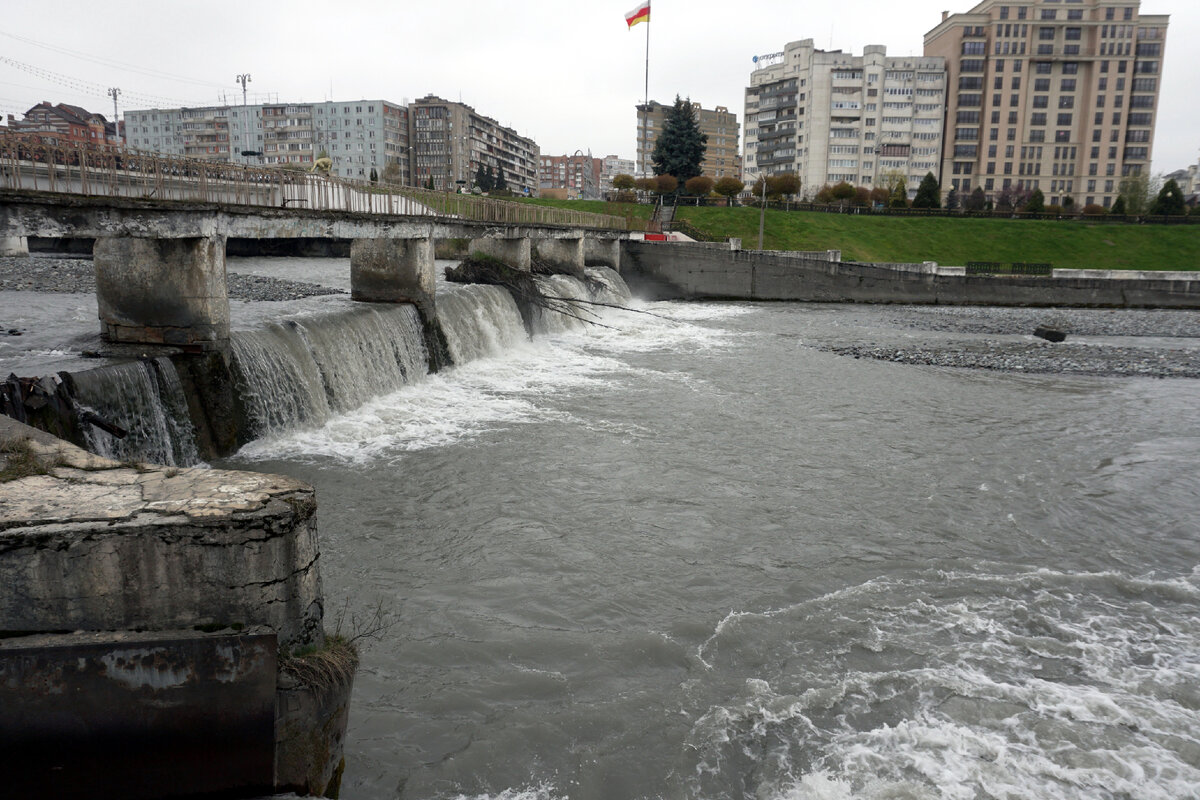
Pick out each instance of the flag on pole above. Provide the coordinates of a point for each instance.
(639, 14)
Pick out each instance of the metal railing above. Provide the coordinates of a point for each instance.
(29, 163)
(1015, 268)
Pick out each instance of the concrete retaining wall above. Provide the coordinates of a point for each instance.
(697, 271)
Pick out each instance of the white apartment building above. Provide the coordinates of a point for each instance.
(613, 166)
(832, 117)
(358, 135)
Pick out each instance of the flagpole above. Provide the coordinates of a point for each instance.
(646, 117)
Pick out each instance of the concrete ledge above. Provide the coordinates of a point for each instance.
(137, 715)
(1124, 275)
(94, 545)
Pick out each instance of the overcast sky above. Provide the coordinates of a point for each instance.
(566, 72)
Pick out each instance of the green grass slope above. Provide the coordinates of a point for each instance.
(955, 241)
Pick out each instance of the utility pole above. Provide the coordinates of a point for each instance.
(762, 213)
(243, 79)
(113, 93)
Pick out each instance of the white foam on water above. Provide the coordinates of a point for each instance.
(502, 379)
(1037, 684)
(540, 792)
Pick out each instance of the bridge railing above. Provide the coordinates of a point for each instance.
(30, 162)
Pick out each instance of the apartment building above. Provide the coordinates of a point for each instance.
(575, 177)
(65, 124)
(721, 156)
(1057, 95)
(613, 166)
(359, 136)
(830, 116)
(451, 141)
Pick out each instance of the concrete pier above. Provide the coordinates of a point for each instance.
(393, 271)
(160, 629)
(602, 252)
(514, 251)
(162, 291)
(12, 246)
(564, 255)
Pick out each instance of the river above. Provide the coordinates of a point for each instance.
(695, 556)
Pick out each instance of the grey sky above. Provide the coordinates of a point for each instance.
(566, 72)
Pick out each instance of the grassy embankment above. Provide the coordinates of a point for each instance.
(953, 241)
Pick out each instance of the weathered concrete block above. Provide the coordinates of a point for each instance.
(162, 291)
(393, 271)
(11, 246)
(137, 715)
(563, 255)
(515, 252)
(310, 721)
(98, 546)
(602, 252)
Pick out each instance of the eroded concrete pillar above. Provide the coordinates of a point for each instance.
(393, 271)
(564, 255)
(515, 252)
(162, 291)
(11, 246)
(602, 252)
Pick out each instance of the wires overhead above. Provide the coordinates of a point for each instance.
(138, 70)
(89, 88)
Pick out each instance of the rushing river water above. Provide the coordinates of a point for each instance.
(698, 558)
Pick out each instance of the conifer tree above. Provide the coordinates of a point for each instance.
(928, 193)
(680, 147)
(1169, 200)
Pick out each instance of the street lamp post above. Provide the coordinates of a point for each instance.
(243, 79)
(113, 93)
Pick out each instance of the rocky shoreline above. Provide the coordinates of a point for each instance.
(78, 276)
(963, 337)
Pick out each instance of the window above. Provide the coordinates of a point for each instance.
(1067, 85)
(1041, 85)
(1037, 118)
(1049, 13)
(1065, 119)
(1046, 34)
(1041, 101)
(974, 48)
(1070, 68)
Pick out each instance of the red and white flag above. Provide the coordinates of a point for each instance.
(639, 14)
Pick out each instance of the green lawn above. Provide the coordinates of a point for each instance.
(948, 241)
(955, 241)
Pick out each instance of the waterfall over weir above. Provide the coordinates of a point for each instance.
(145, 398)
(299, 372)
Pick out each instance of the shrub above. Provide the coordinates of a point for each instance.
(665, 184)
(700, 185)
(729, 186)
(1094, 210)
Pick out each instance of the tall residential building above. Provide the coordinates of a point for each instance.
(451, 141)
(613, 166)
(357, 135)
(1057, 95)
(574, 177)
(718, 124)
(829, 117)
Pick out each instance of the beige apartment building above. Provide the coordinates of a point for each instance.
(830, 116)
(451, 141)
(721, 157)
(1057, 95)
